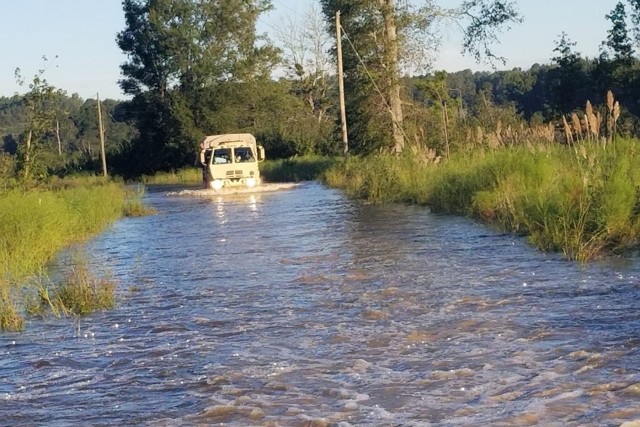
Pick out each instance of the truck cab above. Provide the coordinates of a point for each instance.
(230, 160)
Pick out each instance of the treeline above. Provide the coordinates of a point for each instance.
(71, 141)
(287, 125)
(474, 108)
(547, 92)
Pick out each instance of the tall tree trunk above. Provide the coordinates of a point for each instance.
(393, 80)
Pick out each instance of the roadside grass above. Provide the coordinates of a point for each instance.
(191, 175)
(36, 224)
(580, 200)
(296, 169)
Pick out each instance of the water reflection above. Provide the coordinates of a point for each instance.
(302, 307)
(220, 210)
(222, 202)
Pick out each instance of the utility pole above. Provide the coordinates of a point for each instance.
(343, 114)
(101, 130)
(58, 137)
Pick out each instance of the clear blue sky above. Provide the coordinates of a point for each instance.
(81, 33)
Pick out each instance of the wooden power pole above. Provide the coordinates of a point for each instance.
(58, 137)
(101, 130)
(343, 114)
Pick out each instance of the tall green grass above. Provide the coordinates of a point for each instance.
(36, 224)
(191, 175)
(296, 169)
(580, 200)
(79, 293)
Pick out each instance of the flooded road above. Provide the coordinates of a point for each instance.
(302, 307)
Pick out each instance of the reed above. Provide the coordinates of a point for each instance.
(79, 292)
(582, 201)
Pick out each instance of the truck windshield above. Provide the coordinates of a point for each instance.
(244, 154)
(222, 155)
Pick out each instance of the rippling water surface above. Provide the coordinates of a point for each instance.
(304, 308)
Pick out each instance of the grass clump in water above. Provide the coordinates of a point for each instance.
(134, 206)
(11, 318)
(81, 293)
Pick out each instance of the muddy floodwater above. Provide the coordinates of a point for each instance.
(301, 307)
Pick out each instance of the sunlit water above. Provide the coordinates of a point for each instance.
(302, 307)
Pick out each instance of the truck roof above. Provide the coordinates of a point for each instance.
(213, 141)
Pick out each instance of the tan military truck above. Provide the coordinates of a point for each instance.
(230, 160)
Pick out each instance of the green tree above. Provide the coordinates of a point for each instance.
(12, 117)
(381, 36)
(40, 106)
(635, 19)
(443, 107)
(179, 53)
(618, 39)
(568, 79)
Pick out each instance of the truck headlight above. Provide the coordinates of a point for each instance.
(217, 184)
(251, 182)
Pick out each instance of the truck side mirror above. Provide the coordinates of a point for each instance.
(260, 153)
